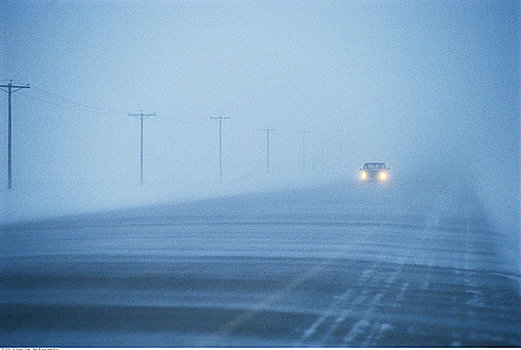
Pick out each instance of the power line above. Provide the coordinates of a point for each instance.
(71, 107)
(68, 100)
(10, 91)
(50, 102)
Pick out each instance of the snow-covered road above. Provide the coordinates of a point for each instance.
(339, 265)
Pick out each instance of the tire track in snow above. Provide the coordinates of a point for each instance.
(347, 297)
(366, 331)
(274, 297)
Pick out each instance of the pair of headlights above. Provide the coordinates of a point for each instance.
(382, 175)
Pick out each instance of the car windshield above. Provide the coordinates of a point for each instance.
(374, 166)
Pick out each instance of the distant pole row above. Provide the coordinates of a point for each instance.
(141, 116)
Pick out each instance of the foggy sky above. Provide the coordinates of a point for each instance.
(415, 84)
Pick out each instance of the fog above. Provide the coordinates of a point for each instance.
(428, 87)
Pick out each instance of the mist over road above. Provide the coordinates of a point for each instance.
(340, 265)
(429, 87)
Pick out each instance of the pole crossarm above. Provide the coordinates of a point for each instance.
(141, 114)
(17, 87)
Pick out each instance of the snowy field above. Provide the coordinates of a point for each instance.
(338, 265)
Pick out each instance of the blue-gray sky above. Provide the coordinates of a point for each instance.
(411, 83)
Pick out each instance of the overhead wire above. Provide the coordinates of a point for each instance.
(72, 102)
(64, 102)
(52, 98)
(49, 102)
(57, 100)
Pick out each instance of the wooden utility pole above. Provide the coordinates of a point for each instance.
(267, 131)
(303, 132)
(10, 89)
(142, 116)
(220, 119)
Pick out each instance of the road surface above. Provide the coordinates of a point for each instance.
(339, 265)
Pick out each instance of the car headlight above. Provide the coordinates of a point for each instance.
(382, 175)
(363, 175)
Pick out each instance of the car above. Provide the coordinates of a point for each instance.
(374, 172)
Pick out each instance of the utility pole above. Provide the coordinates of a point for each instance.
(304, 132)
(322, 154)
(220, 119)
(268, 148)
(9, 91)
(142, 116)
